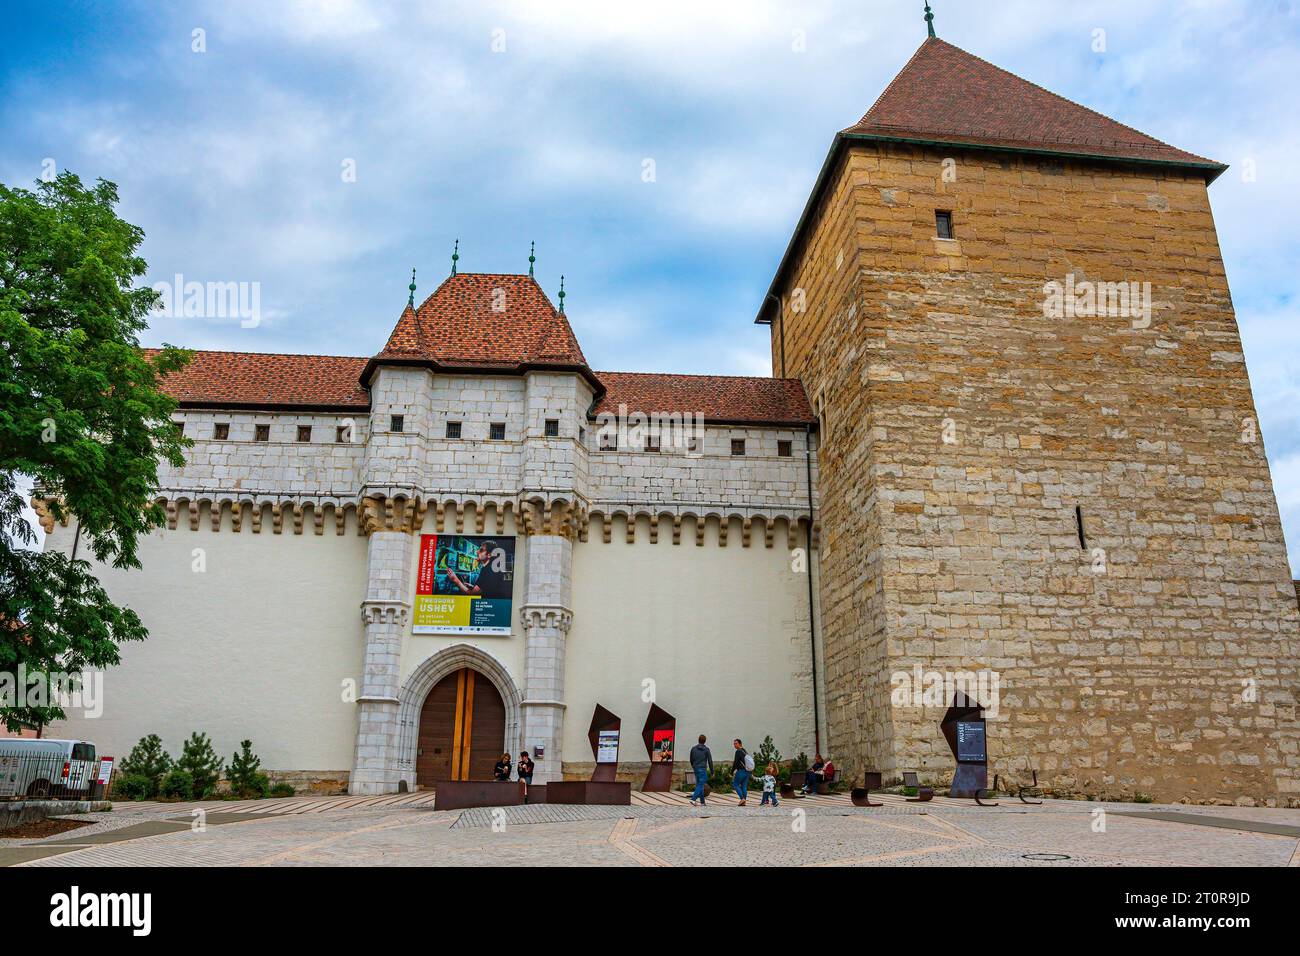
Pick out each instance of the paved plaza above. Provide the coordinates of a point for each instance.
(664, 830)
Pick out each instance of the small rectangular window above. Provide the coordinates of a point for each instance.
(497, 431)
(396, 423)
(582, 435)
(343, 434)
(943, 223)
(551, 428)
(608, 441)
(693, 444)
(652, 443)
(261, 433)
(737, 446)
(784, 449)
(221, 431)
(180, 427)
(304, 433)
(453, 429)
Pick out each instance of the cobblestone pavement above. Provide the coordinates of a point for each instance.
(666, 831)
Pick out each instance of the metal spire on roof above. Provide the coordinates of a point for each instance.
(411, 298)
(561, 295)
(929, 20)
(532, 247)
(455, 254)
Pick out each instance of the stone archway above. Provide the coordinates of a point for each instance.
(425, 677)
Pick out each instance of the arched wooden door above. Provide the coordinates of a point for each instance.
(462, 729)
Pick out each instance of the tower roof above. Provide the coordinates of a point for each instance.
(484, 322)
(947, 95)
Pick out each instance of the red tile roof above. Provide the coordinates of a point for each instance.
(718, 398)
(277, 381)
(949, 95)
(485, 320)
(268, 380)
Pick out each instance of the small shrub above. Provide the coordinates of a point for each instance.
(282, 789)
(1143, 798)
(800, 762)
(133, 786)
(202, 763)
(177, 785)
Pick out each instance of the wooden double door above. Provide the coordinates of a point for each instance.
(462, 729)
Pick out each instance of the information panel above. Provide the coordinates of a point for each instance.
(464, 584)
(970, 741)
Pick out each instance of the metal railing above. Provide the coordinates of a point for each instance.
(45, 776)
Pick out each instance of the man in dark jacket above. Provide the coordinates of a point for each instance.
(702, 765)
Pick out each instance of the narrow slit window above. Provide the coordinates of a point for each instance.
(943, 223)
(1078, 527)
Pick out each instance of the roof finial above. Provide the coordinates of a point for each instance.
(411, 298)
(561, 295)
(929, 20)
(532, 247)
(455, 254)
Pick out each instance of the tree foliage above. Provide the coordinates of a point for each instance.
(82, 413)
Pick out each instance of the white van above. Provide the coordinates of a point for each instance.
(40, 767)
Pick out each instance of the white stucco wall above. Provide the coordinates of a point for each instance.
(723, 632)
(256, 646)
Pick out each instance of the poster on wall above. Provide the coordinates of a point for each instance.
(663, 747)
(970, 741)
(464, 584)
(9, 776)
(607, 747)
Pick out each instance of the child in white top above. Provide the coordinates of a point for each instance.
(769, 784)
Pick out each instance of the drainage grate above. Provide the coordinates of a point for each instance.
(1044, 857)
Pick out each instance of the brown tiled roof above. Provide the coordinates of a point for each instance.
(268, 380)
(946, 95)
(483, 321)
(719, 398)
(949, 95)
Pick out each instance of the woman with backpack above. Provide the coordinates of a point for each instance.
(741, 767)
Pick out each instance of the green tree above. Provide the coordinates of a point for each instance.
(201, 762)
(246, 778)
(147, 761)
(82, 414)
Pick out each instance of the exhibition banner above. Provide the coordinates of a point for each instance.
(464, 584)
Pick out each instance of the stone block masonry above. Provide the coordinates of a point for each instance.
(1155, 649)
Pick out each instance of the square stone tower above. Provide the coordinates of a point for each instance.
(1039, 457)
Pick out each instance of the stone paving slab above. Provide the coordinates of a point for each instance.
(1205, 820)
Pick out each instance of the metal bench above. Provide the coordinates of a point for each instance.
(923, 794)
(1033, 789)
(861, 796)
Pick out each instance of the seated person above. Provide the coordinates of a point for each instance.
(815, 775)
(502, 769)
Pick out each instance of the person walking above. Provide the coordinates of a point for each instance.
(741, 767)
(702, 765)
(769, 784)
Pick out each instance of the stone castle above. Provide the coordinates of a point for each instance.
(1008, 434)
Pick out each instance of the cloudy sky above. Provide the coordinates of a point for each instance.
(232, 128)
